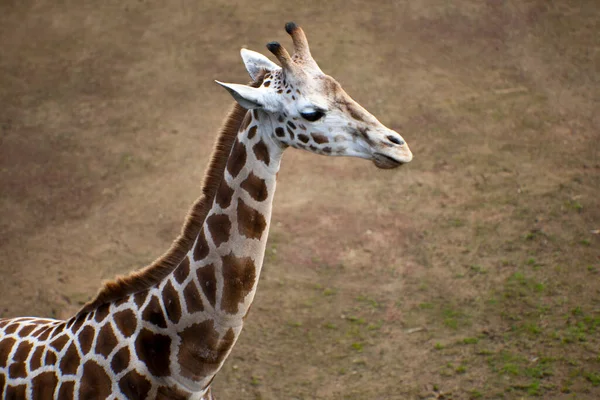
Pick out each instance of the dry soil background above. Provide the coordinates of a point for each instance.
(472, 272)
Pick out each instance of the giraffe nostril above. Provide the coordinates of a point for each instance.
(395, 140)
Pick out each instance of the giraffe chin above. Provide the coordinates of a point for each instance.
(382, 161)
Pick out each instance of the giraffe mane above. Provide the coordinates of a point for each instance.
(150, 275)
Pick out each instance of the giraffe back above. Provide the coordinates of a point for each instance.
(90, 356)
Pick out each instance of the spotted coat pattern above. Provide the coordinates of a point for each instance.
(168, 341)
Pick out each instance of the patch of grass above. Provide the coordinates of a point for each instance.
(534, 388)
(356, 320)
(470, 340)
(453, 318)
(329, 292)
(593, 378)
(510, 369)
(532, 328)
(357, 346)
(477, 269)
(542, 369)
(574, 205)
(438, 346)
(375, 326)
(456, 223)
(368, 301)
(254, 381)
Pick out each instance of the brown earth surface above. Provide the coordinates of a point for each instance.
(472, 272)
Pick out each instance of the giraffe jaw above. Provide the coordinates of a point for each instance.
(384, 161)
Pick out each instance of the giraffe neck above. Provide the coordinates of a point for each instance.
(216, 282)
(227, 257)
(171, 338)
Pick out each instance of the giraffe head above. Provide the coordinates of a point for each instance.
(309, 109)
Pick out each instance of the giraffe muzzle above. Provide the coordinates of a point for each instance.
(387, 161)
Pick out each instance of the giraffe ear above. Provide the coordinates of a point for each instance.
(256, 62)
(247, 96)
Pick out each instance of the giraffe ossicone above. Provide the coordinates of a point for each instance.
(165, 331)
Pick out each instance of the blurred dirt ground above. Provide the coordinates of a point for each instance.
(473, 272)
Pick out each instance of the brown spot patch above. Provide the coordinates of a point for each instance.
(208, 282)
(279, 132)
(327, 150)
(17, 370)
(59, 342)
(95, 383)
(154, 349)
(251, 223)
(139, 298)
(182, 270)
(44, 333)
(261, 152)
(201, 248)
(303, 138)
(256, 187)
(26, 330)
(120, 360)
(11, 328)
(66, 390)
(70, 361)
(15, 392)
(86, 337)
(201, 352)
(6, 346)
(252, 132)
(240, 275)
(22, 352)
(237, 159)
(267, 83)
(171, 301)
(36, 358)
(245, 122)
(134, 386)
(167, 393)
(50, 358)
(319, 139)
(219, 227)
(192, 298)
(153, 313)
(106, 341)
(43, 385)
(354, 112)
(291, 133)
(101, 313)
(126, 322)
(78, 321)
(291, 124)
(224, 195)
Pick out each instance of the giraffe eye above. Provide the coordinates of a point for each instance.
(313, 115)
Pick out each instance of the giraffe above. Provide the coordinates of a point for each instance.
(163, 332)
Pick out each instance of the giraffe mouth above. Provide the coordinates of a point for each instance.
(383, 161)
